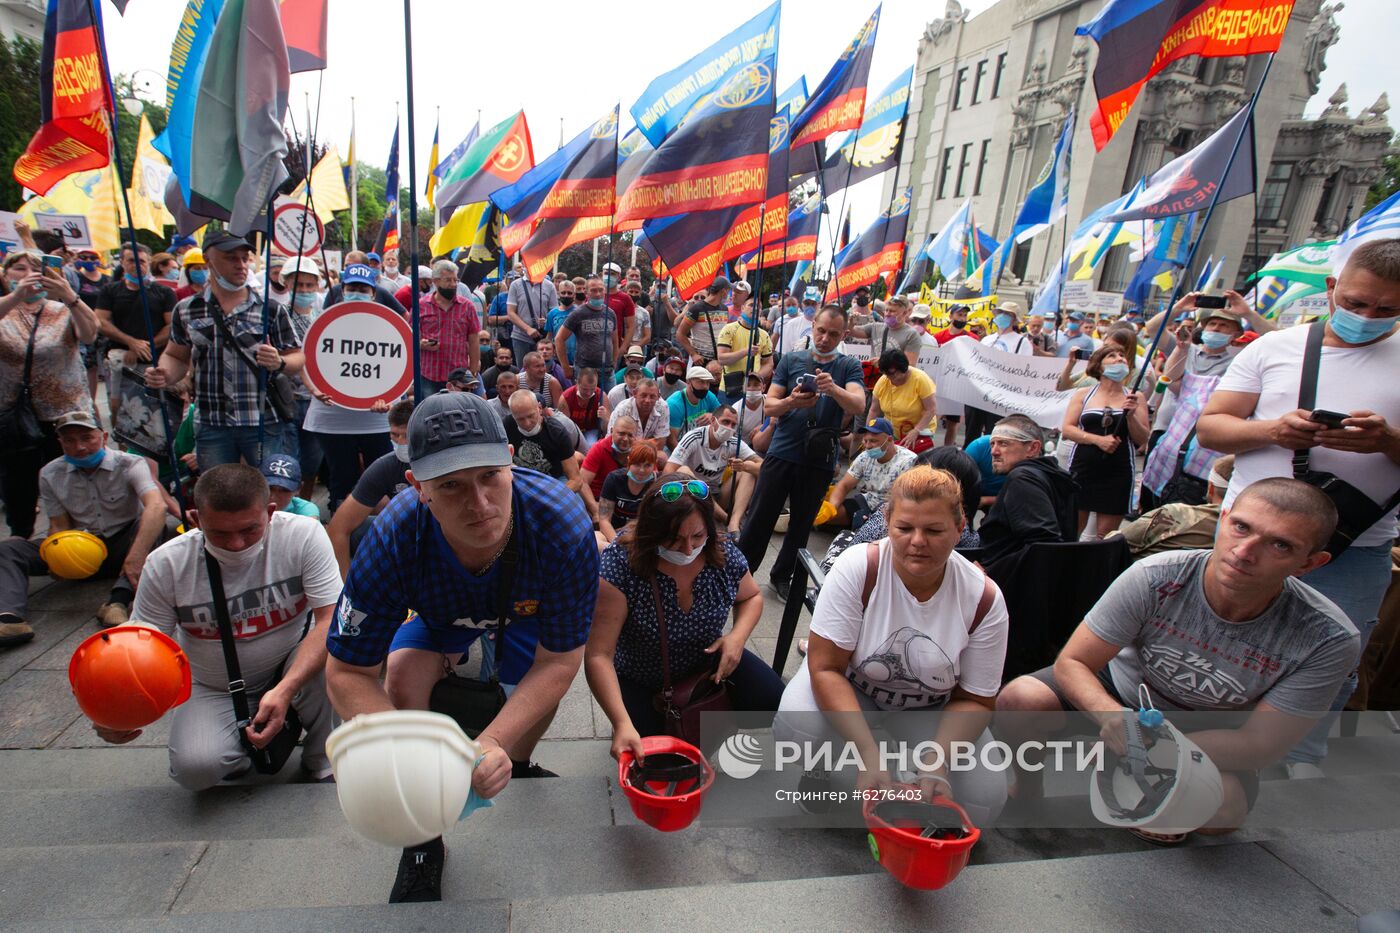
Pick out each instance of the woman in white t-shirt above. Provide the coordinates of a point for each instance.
(906, 624)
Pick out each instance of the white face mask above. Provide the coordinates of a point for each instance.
(721, 433)
(532, 431)
(236, 558)
(400, 451)
(679, 558)
(753, 396)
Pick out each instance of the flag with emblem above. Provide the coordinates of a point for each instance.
(800, 243)
(874, 148)
(1311, 263)
(1379, 223)
(718, 158)
(74, 99)
(1189, 182)
(498, 158)
(579, 204)
(839, 101)
(671, 99)
(876, 252)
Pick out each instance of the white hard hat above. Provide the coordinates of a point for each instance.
(403, 776)
(300, 264)
(1172, 787)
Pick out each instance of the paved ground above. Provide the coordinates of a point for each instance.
(98, 838)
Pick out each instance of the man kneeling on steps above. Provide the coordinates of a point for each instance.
(1229, 629)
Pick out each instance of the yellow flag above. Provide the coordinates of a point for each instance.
(462, 230)
(92, 194)
(148, 177)
(327, 187)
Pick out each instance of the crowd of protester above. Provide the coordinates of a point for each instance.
(595, 470)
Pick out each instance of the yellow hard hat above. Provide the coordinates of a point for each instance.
(73, 555)
(194, 256)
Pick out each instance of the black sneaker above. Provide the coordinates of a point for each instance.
(782, 589)
(528, 769)
(420, 874)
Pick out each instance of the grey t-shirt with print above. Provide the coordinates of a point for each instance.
(1294, 655)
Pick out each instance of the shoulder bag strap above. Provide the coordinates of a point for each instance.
(29, 350)
(217, 314)
(872, 571)
(984, 605)
(237, 689)
(665, 644)
(1307, 388)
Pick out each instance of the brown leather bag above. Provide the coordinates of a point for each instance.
(681, 703)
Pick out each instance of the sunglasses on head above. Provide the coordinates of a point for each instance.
(672, 490)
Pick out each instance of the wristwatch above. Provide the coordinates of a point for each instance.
(281, 364)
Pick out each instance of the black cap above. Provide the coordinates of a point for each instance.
(462, 376)
(453, 431)
(223, 241)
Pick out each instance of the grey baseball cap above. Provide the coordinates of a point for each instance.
(453, 431)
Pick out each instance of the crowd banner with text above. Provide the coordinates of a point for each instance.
(1007, 383)
(1138, 38)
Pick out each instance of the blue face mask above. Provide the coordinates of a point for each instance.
(810, 311)
(86, 265)
(133, 280)
(597, 304)
(91, 460)
(1354, 328)
(226, 285)
(1072, 328)
(1003, 321)
(1214, 339)
(790, 311)
(875, 453)
(198, 276)
(37, 297)
(639, 480)
(304, 299)
(1116, 371)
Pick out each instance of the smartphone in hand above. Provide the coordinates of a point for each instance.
(1333, 419)
(807, 382)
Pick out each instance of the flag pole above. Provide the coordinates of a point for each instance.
(753, 339)
(412, 199)
(136, 260)
(1245, 127)
(354, 185)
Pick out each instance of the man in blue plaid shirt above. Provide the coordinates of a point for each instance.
(226, 377)
(438, 550)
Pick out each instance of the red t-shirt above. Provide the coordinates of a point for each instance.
(602, 461)
(623, 306)
(945, 335)
(583, 414)
(404, 296)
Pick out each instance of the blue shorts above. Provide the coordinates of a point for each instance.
(454, 641)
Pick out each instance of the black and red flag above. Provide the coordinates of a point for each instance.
(801, 241)
(74, 99)
(876, 252)
(304, 28)
(717, 158)
(579, 205)
(839, 102)
(1138, 38)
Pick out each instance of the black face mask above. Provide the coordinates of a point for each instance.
(959, 325)
(566, 301)
(448, 292)
(862, 301)
(672, 378)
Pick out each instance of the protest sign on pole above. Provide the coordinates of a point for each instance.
(8, 235)
(1105, 304)
(1076, 295)
(296, 230)
(357, 352)
(72, 227)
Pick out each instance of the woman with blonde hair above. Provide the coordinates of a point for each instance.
(1106, 423)
(906, 624)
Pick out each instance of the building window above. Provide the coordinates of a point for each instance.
(943, 172)
(1274, 190)
(997, 75)
(958, 88)
(981, 167)
(977, 78)
(963, 162)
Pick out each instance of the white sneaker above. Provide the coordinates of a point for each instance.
(1303, 771)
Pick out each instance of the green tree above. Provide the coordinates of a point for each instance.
(1388, 184)
(19, 110)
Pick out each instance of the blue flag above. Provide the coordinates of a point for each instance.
(1189, 182)
(669, 98)
(187, 56)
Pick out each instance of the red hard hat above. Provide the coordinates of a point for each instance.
(128, 677)
(667, 788)
(923, 844)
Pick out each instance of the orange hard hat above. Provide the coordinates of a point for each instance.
(128, 677)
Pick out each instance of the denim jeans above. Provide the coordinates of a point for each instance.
(1356, 582)
(216, 445)
(305, 446)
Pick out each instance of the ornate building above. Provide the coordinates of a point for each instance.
(992, 91)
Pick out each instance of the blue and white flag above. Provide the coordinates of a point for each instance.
(1048, 200)
(1381, 222)
(948, 248)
